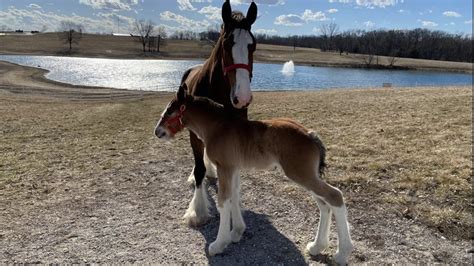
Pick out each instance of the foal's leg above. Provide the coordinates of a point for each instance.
(198, 210)
(321, 241)
(334, 200)
(224, 205)
(238, 224)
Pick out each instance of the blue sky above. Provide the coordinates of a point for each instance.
(277, 17)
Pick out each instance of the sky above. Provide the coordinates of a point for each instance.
(275, 17)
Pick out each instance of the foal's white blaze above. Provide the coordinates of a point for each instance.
(161, 131)
(240, 54)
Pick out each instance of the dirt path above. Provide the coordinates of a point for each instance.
(86, 180)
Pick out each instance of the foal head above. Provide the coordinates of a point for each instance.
(238, 45)
(171, 121)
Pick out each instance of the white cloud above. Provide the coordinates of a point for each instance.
(259, 2)
(185, 5)
(110, 4)
(289, 20)
(36, 19)
(185, 23)
(427, 23)
(451, 14)
(401, 11)
(266, 31)
(369, 24)
(298, 20)
(332, 10)
(34, 6)
(309, 15)
(211, 12)
(468, 22)
(376, 3)
(317, 30)
(370, 3)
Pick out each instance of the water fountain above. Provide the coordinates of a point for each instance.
(288, 68)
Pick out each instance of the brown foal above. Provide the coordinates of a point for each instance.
(233, 143)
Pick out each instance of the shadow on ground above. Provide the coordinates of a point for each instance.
(261, 242)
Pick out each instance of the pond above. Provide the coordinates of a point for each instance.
(165, 75)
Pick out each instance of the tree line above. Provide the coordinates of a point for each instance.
(416, 43)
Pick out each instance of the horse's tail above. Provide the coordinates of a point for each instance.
(322, 152)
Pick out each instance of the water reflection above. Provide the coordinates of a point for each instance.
(164, 75)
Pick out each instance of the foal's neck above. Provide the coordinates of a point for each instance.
(204, 117)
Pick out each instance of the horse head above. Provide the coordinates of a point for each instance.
(238, 46)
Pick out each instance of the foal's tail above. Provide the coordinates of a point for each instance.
(322, 152)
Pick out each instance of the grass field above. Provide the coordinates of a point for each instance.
(125, 47)
(402, 157)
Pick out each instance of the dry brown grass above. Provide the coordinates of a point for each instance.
(125, 47)
(407, 150)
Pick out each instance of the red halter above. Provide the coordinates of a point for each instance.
(175, 123)
(235, 66)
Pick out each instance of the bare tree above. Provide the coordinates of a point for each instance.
(144, 30)
(327, 32)
(70, 33)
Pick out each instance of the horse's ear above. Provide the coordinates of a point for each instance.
(252, 13)
(226, 12)
(182, 92)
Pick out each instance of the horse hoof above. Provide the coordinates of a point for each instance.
(194, 220)
(216, 248)
(236, 235)
(340, 259)
(315, 249)
(343, 254)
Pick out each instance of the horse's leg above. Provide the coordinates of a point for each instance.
(334, 200)
(211, 173)
(321, 241)
(198, 210)
(238, 224)
(224, 206)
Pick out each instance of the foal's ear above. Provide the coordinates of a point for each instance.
(182, 92)
(226, 12)
(252, 13)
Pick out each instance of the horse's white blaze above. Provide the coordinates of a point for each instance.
(240, 54)
(223, 236)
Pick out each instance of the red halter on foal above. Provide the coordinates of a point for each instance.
(174, 123)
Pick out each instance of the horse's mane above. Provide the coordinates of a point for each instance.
(208, 103)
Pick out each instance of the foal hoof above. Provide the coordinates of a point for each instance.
(236, 235)
(216, 248)
(315, 249)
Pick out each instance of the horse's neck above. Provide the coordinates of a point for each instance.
(211, 82)
(204, 119)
